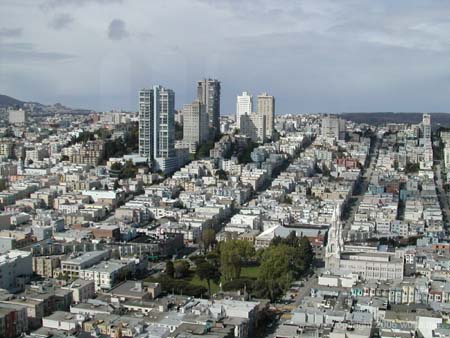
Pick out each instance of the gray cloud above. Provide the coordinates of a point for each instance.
(144, 35)
(52, 4)
(61, 21)
(313, 55)
(117, 30)
(20, 52)
(10, 32)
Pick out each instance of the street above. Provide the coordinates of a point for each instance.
(364, 184)
(443, 199)
(305, 290)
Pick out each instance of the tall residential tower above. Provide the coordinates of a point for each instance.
(208, 93)
(195, 126)
(333, 127)
(146, 107)
(244, 106)
(266, 107)
(426, 126)
(157, 127)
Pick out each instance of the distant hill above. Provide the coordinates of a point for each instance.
(39, 109)
(7, 101)
(437, 119)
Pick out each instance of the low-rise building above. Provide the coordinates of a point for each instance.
(107, 274)
(73, 265)
(15, 270)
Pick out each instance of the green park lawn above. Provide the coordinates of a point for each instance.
(250, 271)
(196, 281)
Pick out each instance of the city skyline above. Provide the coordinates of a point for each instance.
(224, 169)
(314, 56)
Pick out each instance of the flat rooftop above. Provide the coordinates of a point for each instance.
(84, 257)
(11, 255)
(107, 266)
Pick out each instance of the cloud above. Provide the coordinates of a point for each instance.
(52, 4)
(20, 52)
(117, 30)
(61, 21)
(10, 32)
(313, 55)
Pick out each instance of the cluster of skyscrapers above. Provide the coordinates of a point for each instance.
(259, 124)
(201, 122)
(157, 122)
(201, 118)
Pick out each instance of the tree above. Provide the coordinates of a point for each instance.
(209, 272)
(275, 135)
(116, 166)
(411, 168)
(276, 272)
(285, 260)
(288, 200)
(170, 269)
(129, 170)
(178, 131)
(306, 257)
(213, 257)
(203, 149)
(131, 139)
(181, 268)
(232, 254)
(208, 238)
(244, 156)
(222, 174)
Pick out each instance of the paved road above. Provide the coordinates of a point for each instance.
(305, 290)
(365, 180)
(443, 199)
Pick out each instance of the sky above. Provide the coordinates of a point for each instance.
(312, 55)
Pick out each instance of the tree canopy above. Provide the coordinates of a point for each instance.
(284, 261)
(209, 272)
(208, 238)
(232, 255)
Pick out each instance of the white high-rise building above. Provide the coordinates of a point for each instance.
(244, 106)
(195, 126)
(266, 107)
(18, 116)
(164, 117)
(333, 127)
(157, 127)
(146, 103)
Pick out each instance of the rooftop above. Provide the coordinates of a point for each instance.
(85, 257)
(107, 266)
(12, 255)
(62, 316)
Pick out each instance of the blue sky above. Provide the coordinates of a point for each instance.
(314, 56)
